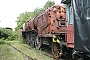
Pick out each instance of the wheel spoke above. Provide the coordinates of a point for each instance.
(32, 41)
(56, 50)
(37, 43)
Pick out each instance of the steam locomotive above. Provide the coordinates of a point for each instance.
(63, 29)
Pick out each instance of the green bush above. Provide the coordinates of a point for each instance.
(13, 36)
(1, 41)
(5, 33)
(10, 35)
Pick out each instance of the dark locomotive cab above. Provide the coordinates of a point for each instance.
(81, 17)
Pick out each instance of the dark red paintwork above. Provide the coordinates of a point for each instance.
(70, 36)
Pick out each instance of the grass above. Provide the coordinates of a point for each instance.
(10, 54)
(1, 41)
(7, 54)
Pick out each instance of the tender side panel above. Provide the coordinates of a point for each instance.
(70, 36)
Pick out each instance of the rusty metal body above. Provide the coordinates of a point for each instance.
(51, 21)
(26, 26)
(31, 25)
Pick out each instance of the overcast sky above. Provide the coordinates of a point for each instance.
(10, 10)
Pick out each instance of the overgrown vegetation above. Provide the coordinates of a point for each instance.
(14, 36)
(5, 33)
(7, 53)
(1, 41)
(38, 54)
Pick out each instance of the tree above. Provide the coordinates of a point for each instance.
(38, 11)
(22, 18)
(48, 4)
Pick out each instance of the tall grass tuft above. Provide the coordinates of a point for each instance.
(2, 41)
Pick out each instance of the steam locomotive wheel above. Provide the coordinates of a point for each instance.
(56, 50)
(32, 41)
(27, 39)
(37, 43)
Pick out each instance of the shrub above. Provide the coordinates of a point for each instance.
(1, 41)
(5, 33)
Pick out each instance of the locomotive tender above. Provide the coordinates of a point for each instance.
(51, 27)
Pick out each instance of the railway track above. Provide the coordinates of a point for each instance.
(26, 56)
(30, 58)
(46, 53)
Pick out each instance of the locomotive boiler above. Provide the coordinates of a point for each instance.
(51, 27)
